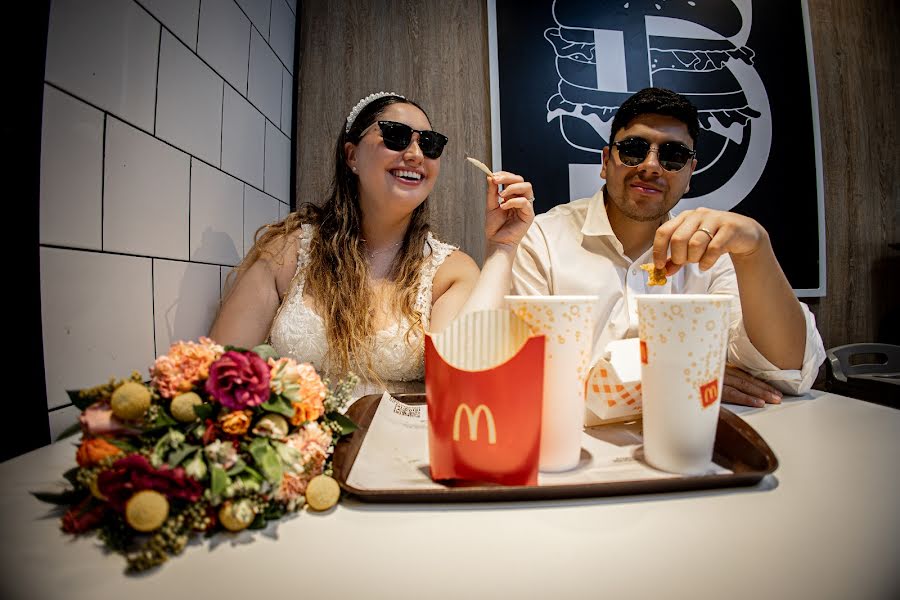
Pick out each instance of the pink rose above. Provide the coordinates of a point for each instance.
(98, 419)
(239, 380)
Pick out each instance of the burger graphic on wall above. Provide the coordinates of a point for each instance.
(606, 51)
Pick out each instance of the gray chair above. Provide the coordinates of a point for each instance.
(869, 372)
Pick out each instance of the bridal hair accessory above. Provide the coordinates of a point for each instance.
(364, 103)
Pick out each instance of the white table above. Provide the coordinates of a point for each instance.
(825, 525)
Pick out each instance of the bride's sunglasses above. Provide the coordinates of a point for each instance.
(398, 136)
(672, 156)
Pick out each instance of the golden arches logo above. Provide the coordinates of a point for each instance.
(473, 418)
(709, 393)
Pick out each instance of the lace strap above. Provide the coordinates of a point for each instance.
(439, 252)
(298, 281)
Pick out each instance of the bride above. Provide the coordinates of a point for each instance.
(351, 285)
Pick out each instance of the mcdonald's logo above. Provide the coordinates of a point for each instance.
(473, 419)
(709, 393)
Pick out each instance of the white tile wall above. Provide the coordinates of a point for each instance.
(105, 52)
(265, 78)
(97, 313)
(186, 298)
(278, 157)
(189, 108)
(217, 215)
(140, 94)
(282, 33)
(287, 104)
(71, 172)
(180, 16)
(146, 187)
(243, 139)
(259, 12)
(224, 40)
(259, 209)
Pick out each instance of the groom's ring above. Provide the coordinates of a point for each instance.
(706, 231)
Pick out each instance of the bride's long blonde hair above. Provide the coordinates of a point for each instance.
(337, 273)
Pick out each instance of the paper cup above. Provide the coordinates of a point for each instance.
(683, 341)
(568, 324)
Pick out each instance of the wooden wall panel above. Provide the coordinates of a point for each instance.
(434, 52)
(856, 45)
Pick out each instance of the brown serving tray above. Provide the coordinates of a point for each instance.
(738, 447)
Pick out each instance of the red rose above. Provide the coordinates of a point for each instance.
(239, 380)
(135, 473)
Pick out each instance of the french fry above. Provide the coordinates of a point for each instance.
(481, 166)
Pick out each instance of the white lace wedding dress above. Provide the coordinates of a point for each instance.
(297, 331)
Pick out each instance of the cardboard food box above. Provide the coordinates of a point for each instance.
(613, 387)
(484, 378)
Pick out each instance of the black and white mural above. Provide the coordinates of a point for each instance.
(561, 68)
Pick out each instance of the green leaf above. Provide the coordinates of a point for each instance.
(122, 444)
(176, 457)
(204, 411)
(266, 459)
(343, 421)
(238, 467)
(234, 349)
(70, 430)
(218, 480)
(72, 476)
(265, 351)
(163, 419)
(254, 473)
(274, 511)
(278, 404)
(288, 454)
(81, 402)
(259, 522)
(172, 440)
(65, 497)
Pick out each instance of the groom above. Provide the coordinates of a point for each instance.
(596, 246)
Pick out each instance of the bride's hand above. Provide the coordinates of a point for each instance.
(509, 213)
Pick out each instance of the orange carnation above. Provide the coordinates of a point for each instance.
(185, 365)
(306, 411)
(236, 422)
(301, 385)
(93, 450)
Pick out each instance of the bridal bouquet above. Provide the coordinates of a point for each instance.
(218, 439)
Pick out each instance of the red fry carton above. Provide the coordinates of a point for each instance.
(613, 391)
(484, 378)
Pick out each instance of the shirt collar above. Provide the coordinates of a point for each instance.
(596, 221)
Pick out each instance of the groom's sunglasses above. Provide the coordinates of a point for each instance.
(672, 156)
(398, 136)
